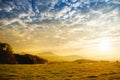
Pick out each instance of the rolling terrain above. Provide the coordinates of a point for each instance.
(77, 70)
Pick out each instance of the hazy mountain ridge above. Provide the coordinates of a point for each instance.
(53, 57)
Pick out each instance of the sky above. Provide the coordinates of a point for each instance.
(89, 28)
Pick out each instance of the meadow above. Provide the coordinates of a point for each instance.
(76, 70)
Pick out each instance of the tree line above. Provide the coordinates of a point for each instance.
(8, 57)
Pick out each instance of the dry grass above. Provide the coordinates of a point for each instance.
(62, 71)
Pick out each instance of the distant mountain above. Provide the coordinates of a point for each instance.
(48, 54)
(84, 61)
(53, 57)
(72, 57)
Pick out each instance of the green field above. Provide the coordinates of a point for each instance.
(61, 71)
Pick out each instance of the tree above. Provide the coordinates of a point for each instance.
(5, 48)
(6, 56)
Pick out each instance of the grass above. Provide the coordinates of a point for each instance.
(61, 71)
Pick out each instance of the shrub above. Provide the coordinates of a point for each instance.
(29, 59)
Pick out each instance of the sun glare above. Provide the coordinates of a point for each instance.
(105, 45)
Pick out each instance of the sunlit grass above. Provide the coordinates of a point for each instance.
(62, 71)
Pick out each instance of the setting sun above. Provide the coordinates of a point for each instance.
(105, 46)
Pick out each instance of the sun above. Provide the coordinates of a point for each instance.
(105, 45)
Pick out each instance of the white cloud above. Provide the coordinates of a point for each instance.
(8, 9)
(8, 22)
(116, 1)
(73, 0)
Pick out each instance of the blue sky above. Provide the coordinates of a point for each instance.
(51, 25)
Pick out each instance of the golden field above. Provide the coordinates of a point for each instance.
(76, 70)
